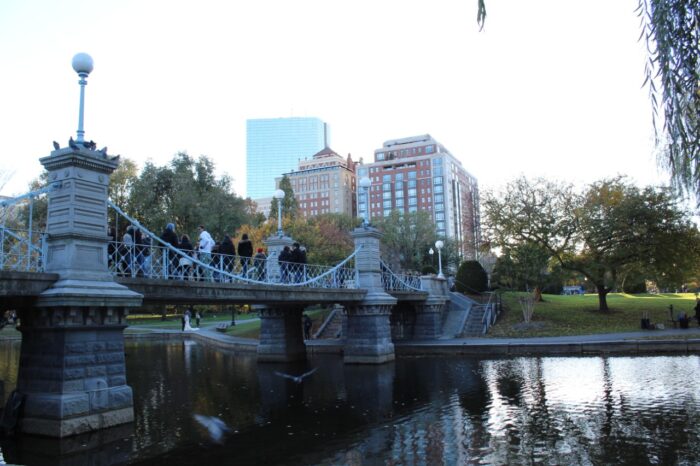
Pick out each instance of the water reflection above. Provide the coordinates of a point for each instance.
(593, 410)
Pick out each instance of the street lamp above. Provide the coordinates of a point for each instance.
(279, 195)
(431, 252)
(83, 65)
(439, 244)
(365, 184)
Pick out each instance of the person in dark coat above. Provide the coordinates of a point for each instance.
(228, 253)
(245, 251)
(298, 258)
(170, 237)
(259, 264)
(185, 263)
(307, 327)
(284, 260)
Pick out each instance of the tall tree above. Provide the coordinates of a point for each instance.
(672, 32)
(610, 226)
(407, 238)
(290, 206)
(187, 193)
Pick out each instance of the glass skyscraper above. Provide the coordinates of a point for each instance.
(275, 146)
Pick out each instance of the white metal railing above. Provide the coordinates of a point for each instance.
(491, 310)
(167, 262)
(159, 259)
(399, 282)
(20, 245)
(21, 250)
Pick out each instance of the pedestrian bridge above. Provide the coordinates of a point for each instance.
(73, 286)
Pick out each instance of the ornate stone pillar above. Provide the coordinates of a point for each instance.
(368, 338)
(72, 373)
(281, 335)
(275, 244)
(429, 314)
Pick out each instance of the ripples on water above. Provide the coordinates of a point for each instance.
(416, 411)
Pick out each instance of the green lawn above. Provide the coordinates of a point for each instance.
(578, 315)
(144, 322)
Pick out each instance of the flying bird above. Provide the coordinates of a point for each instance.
(56, 145)
(216, 427)
(296, 378)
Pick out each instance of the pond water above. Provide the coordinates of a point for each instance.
(415, 411)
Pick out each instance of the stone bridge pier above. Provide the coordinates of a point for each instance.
(72, 375)
(368, 339)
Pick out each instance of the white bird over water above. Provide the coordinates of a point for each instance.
(296, 378)
(216, 427)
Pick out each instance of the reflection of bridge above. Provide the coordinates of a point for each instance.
(72, 291)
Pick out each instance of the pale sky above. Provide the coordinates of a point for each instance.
(549, 88)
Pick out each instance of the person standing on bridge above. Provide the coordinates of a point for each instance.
(245, 251)
(228, 254)
(170, 237)
(259, 262)
(206, 244)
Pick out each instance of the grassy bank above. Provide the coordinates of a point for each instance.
(247, 326)
(579, 315)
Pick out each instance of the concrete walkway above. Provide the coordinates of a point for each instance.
(639, 342)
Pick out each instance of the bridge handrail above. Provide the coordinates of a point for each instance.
(390, 279)
(243, 278)
(14, 200)
(490, 313)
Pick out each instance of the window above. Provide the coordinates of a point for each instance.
(439, 216)
(411, 183)
(439, 207)
(387, 195)
(413, 209)
(412, 201)
(399, 202)
(399, 193)
(398, 185)
(387, 204)
(399, 177)
(386, 187)
(387, 212)
(437, 180)
(380, 156)
(440, 225)
(439, 198)
(429, 149)
(412, 175)
(386, 179)
(438, 189)
(412, 192)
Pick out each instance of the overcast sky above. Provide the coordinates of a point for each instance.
(548, 88)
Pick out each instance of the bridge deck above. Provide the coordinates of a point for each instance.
(18, 289)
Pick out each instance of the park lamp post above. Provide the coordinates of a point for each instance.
(83, 65)
(279, 195)
(431, 252)
(365, 184)
(439, 244)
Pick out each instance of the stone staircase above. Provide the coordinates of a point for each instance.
(332, 327)
(458, 310)
(474, 326)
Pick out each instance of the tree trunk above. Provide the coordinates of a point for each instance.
(538, 294)
(602, 299)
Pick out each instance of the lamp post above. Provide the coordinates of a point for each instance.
(439, 244)
(83, 65)
(279, 195)
(431, 252)
(365, 184)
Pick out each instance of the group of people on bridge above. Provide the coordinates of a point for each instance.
(132, 256)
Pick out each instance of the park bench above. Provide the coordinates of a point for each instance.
(222, 327)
